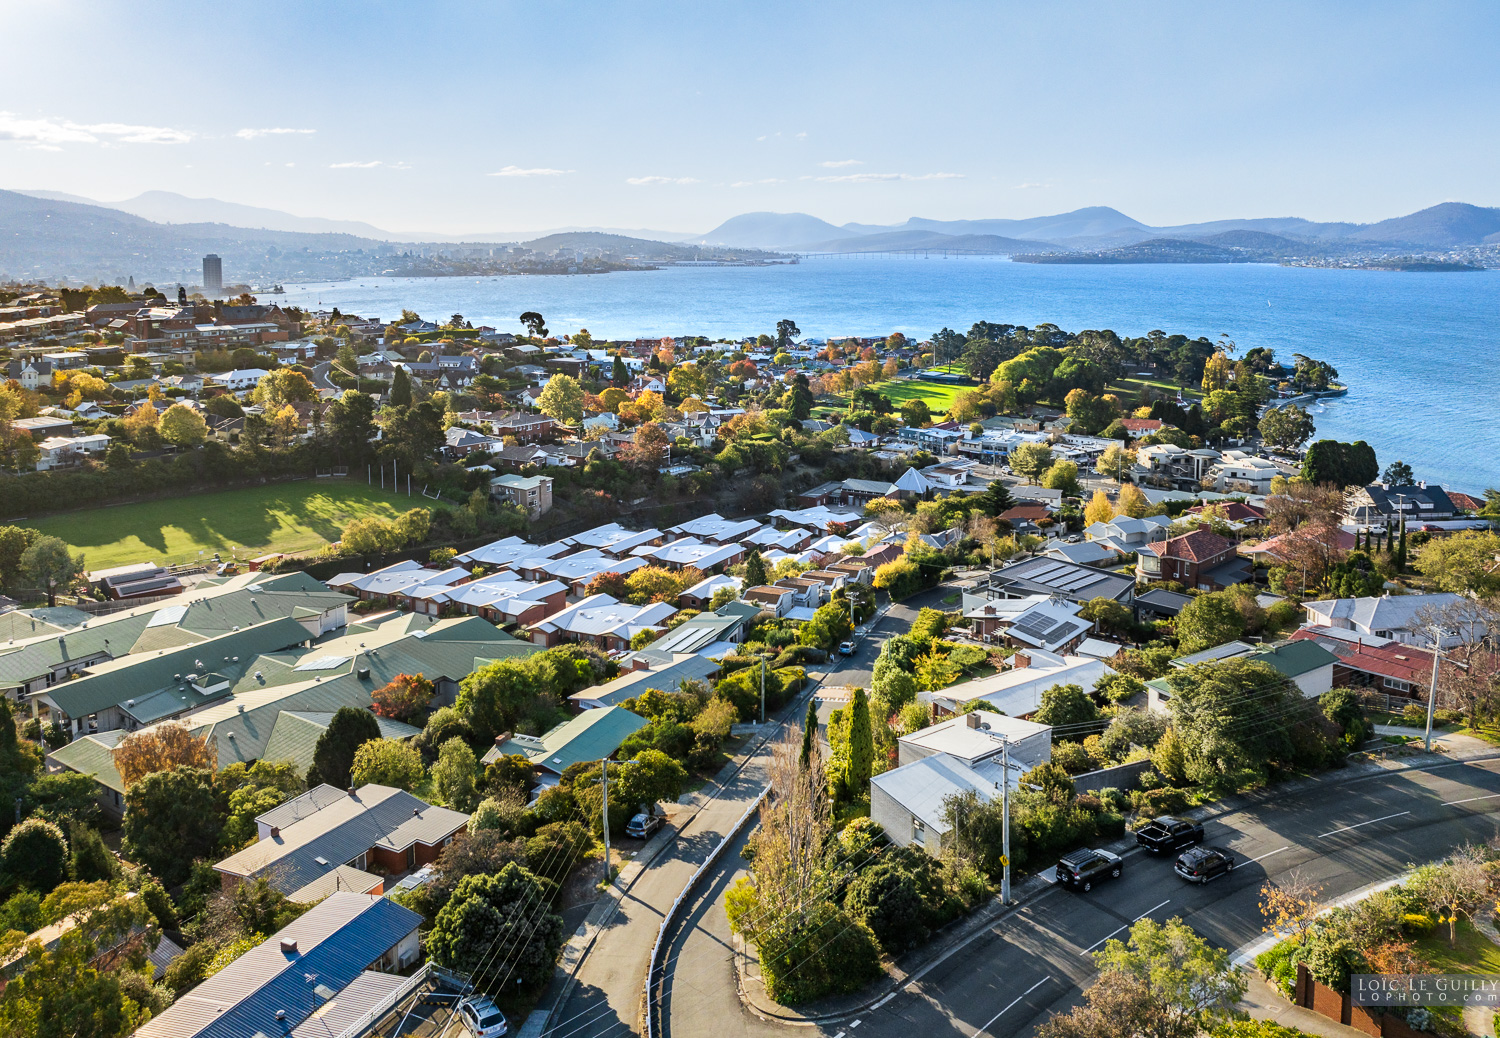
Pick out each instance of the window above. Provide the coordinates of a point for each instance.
(1398, 685)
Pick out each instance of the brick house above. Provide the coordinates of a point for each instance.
(1201, 559)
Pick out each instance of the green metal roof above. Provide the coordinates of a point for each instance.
(93, 755)
(1295, 659)
(295, 734)
(18, 625)
(40, 657)
(592, 735)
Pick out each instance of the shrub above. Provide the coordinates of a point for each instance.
(1279, 967)
(1111, 824)
(1155, 802)
(1417, 924)
(798, 655)
(1072, 757)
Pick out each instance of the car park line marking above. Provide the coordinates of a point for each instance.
(855, 1024)
(1470, 800)
(1357, 825)
(1148, 911)
(1278, 850)
(1002, 1012)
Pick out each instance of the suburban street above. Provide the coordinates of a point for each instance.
(611, 978)
(1033, 961)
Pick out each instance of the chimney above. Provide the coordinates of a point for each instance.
(353, 793)
(1019, 660)
(971, 719)
(502, 738)
(275, 832)
(289, 946)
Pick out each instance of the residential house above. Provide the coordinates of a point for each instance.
(329, 966)
(57, 452)
(141, 580)
(1398, 670)
(1046, 576)
(603, 621)
(1142, 426)
(666, 675)
(592, 735)
(43, 427)
(1382, 505)
(502, 554)
(1125, 533)
(1200, 559)
(818, 517)
(1026, 518)
(848, 492)
(1159, 604)
(614, 539)
(237, 381)
(1017, 690)
(398, 582)
(577, 570)
(372, 826)
(690, 552)
(531, 494)
(775, 599)
(701, 594)
(806, 593)
(459, 442)
(1385, 618)
(978, 736)
(1245, 473)
(501, 598)
(716, 529)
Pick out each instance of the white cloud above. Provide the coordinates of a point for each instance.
(369, 165)
(517, 171)
(875, 178)
(836, 163)
(49, 133)
(1028, 187)
(638, 181)
(250, 135)
(755, 183)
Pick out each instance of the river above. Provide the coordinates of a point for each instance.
(1418, 351)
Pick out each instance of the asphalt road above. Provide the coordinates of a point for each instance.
(606, 999)
(1035, 961)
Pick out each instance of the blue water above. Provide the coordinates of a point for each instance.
(1418, 351)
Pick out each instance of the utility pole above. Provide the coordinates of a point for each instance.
(1005, 823)
(608, 877)
(1437, 656)
(762, 691)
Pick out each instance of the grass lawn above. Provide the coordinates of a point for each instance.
(1475, 953)
(939, 395)
(299, 516)
(1129, 389)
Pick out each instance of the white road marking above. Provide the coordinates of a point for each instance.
(1278, 850)
(855, 1024)
(1357, 825)
(1148, 911)
(884, 1000)
(1470, 800)
(1102, 939)
(1002, 1012)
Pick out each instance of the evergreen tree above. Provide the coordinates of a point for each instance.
(809, 733)
(333, 756)
(861, 746)
(621, 374)
(1401, 548)
(401, 389)
(755, 570)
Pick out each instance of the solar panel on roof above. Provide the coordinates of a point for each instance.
(323, 663)
(169, 615)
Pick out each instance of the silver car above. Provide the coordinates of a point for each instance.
(482, 1017)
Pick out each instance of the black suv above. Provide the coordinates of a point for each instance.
(1201, 864)
(1082, 869)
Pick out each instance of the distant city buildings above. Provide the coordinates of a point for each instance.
(213, 276)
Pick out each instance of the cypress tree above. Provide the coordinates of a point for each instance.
(809, 733)
(755, 569)
(1401, 548)
(621, 374)
(861, 746)
(401, 389)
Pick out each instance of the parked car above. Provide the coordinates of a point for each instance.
(482, 1017)
(1082, 869)
(1201, 864)
(1168, 834)
(642, 826)
(846, 648)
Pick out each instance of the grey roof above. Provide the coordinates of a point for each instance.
(341, 877)
(336, 941)
(1054, 576)
(1383, 612)
(628, 686)
(302, 806)
(1163, 601)
(373, 816)
(698, 633)
(1229, 650)
(591, 735)
(921, 786)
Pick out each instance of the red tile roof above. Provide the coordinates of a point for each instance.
(1272, 547)
(1387, 659)
(1031, 513)
(1198, 546)
(1465, 501)
(1143, 425)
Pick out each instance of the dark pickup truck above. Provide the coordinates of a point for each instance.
(1168, 834)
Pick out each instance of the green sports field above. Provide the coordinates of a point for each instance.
(939, 395)
(299, 516)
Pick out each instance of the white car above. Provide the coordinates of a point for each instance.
(846, 648)
(482, 1017)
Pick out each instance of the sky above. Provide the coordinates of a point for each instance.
(497, 115)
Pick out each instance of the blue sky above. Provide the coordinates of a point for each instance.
(487, 116)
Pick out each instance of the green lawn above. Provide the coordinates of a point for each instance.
(939, 395)
(298, 516)
(1475, 953)
(1129, 389)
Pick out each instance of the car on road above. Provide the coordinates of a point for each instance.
(1082, 869)
(642, 826)
(482, 1017)
(1201, 864)
(1166, 833)
(846, 648)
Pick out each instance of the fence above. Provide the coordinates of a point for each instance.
(653, 967)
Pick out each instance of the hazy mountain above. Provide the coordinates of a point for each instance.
(889, 241)
(772, 230)
(1093, 221)
(1441, 226)
(168, 207)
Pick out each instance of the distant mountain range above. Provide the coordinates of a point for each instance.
(1451, 225)
(162, 236)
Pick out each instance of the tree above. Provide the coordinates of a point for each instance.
(453, 775)
(1222, 715)
(182, 426)
(829, 625)
(1116, 460)
(861, 756)
(1063, 706)
(141, 425)
(14, 540)
(650, 778)
(619, 374)
(562, 399)
(333, 755)
(35, 853)
(755, 569)
(1116, 1006)
(404, 698)
(809, 734)
(1099, 509)
(350, 424)
(48, 564)
(1460, 885)
(1030, 459)
(535, 324)
(400, 388)
(1287, 428)
(494, 698)
(915, 414)
(786, 331)
(1290, 905)
(387, 762)
(1062, 476)
(1341, 464)
(283, 386)
(161, 748)
(1188, 981)
(1463, 562)
(171, 819)
(507, 910)
(1209, 620)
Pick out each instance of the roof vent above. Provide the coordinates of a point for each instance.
(131, 702)
(353, 792)
(289, 947)
(321, 861)
(416, 811)
(281, 1013)
(364, 673)
(230, 735)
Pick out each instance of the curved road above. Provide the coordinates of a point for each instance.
(1034, 961)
